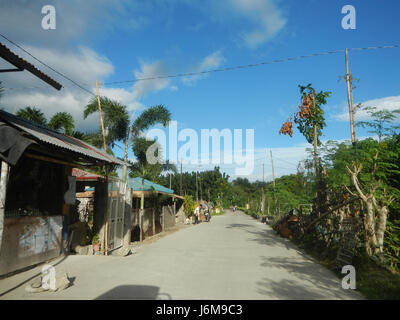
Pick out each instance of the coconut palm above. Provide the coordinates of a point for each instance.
(63, 120)
(32, 114)
(158, 114)
(115, 118)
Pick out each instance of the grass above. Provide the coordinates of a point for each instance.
(376, 282)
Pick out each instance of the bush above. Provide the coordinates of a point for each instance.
(190, 205)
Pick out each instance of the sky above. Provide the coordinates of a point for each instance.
(121, 40)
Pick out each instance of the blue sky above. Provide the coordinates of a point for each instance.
(122, 40)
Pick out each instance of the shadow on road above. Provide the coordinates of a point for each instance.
(313, 281)
(134, 292)
(266, 236)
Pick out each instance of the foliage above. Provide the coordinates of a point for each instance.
(392, 245)
(190, 205)
(63, 120)
(140, 144)
(312, 113)
(150, 117)
(115, 119)
(381, 121)
(32, 114)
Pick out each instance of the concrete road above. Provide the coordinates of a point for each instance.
(232, 257)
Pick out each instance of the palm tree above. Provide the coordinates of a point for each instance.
(63, 120)
(154, 115)
(32, 114)
(115, 118)
(116, 121)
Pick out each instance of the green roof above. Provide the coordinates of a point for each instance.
(136, 185)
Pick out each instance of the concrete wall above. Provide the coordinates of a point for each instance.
(169, 217)
(28, 241)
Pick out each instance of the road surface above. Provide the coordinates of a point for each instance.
(232, 257)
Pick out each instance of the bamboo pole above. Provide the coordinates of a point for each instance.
(101, 117)
(105, 151)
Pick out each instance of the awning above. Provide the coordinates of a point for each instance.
(54, 138)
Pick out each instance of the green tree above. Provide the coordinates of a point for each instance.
(63, 120)
(115, 118)
(381, 122)
(153, 115)
(32, 114)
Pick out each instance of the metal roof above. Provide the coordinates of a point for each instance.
(136, 185)
(22, 64)
(87, 176)
(57, 139)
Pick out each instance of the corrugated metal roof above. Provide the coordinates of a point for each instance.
(22, 64)
(136, 185)
(57, 139)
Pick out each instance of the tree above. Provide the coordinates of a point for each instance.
(148, 118)
(310, 119)
(32, 114)
(115, 117)
(63, 120)
(381, 121)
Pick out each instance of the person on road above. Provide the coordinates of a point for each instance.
(196, 214)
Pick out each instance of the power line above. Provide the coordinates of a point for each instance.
(248, 65)
(46, 65)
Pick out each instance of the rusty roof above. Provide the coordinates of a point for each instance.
(22, 64)
(55, 138)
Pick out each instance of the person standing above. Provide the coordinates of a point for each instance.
(196, 214)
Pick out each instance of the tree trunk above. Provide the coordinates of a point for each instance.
(370, 238)
(125, 167)
(262, 201)
(381, 227)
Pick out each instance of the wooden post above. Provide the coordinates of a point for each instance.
(273, 179)
(163, 218)
(154, 222)
(350, 99)
(101, 117)
(3, 193)
(127, 216)
(106, 222)
(180, 181)
(141, 211)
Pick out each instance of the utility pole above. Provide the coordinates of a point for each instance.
(350, 98)
(105, 151)
(180, 180)
(101, 117)
(273, 177)
(197, 192)
(262, 194)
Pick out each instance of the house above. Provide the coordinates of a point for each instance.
(38, 190)
(159, 211)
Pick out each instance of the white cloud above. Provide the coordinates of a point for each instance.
(51, 103)
(212, 61)
(254, 21)
(387, 103)
(84, 66)
(149, 70)
(265, 15)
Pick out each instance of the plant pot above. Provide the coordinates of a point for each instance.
(96, 247)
